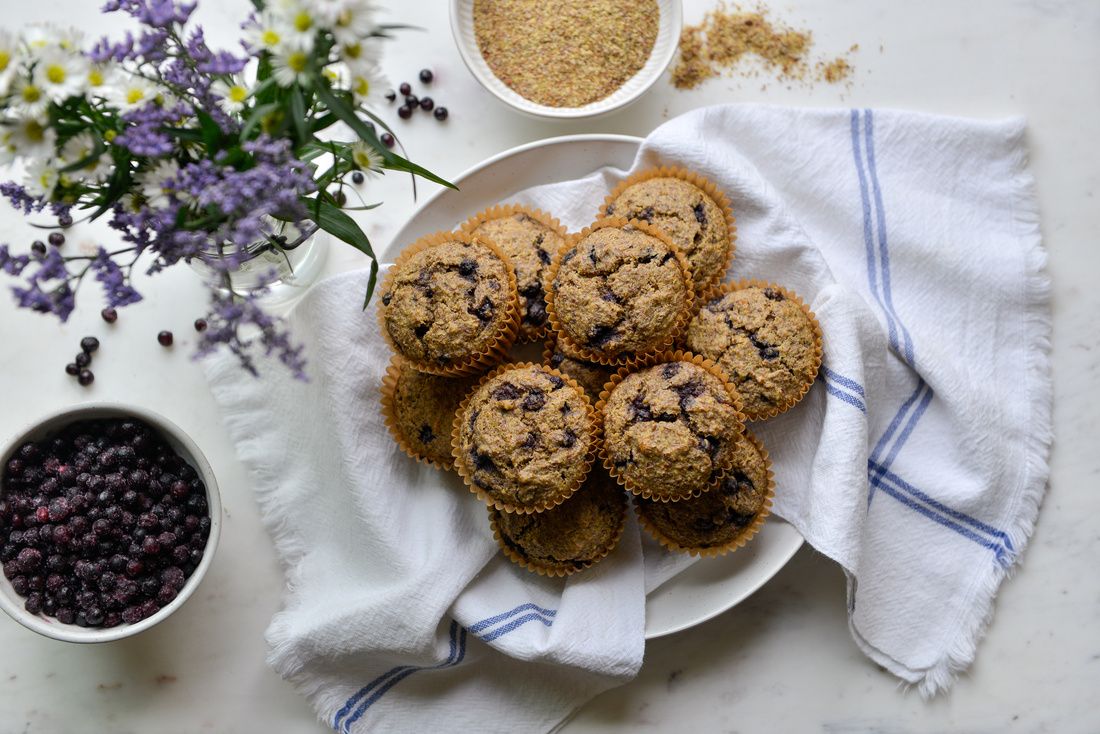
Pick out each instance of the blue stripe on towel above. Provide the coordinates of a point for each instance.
(361, 701)
(846, 397)
(842, 380)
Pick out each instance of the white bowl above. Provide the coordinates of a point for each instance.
(12, 603)
(664, 48)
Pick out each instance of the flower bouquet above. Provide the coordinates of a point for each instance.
(193, 154)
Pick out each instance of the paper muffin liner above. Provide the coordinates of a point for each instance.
(556, 570)
(656, 359)
(500, 211)
(724, 288)
(571, 348)
(509, 329)
(388, 389)
(747, 533)
(466, 473)
(706, 185)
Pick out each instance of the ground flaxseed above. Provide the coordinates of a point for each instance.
(563, 53)
(725, 37)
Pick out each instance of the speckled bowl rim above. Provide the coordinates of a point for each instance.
(388, 389)
(507, 332)
(747, 533)
(723, 289)
(677, 356)
(679, 326)
(707, 186)
(502, 211)
(559, 570)
(187, 448)
(463, 468)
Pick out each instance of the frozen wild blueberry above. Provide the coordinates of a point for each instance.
(109, 315)
(200, 324)
(412, 101)
(426, 76)
(440, 113)
(426, 104)
(85, 377)
(405, 89)
(357, 178)
(72, 368)
(404, 112)
(164, 338)
(56, 239)
(65, 220)
(89, 344)
(38, 247)
(387, 140)
(82, 360)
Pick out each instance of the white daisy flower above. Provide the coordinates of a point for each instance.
(40, 36)
(130, 92)
(265, 32)
(289, 66)
(367, 158)
(99, 78)
(9, 60)
(353, 23)
(300, 25)
(30, 98)
(157, 183)
(31, 137)
(79, 147)
(41, 178)
(234, 93)
(360, 53)
(60, 74)
(367, 85)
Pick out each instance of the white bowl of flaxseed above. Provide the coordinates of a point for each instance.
(567, 59)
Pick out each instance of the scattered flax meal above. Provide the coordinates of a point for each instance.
(725, 37)
(565, 53)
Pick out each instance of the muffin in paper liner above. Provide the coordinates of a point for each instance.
(721, 466)
(431, 443)
(569, 346)
(530, 270)
(704, 277)
(568, 438)
(700, 512)
(746, 384)
(506, 331)
(587, 526)
(591, 376)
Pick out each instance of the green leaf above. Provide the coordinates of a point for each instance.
(255, 119)
(298, 115)
(344, 228)
(211, 132)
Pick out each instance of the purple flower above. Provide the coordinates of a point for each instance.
(155, 13)
(230, 316)
(145, 132)
(20, 199)
(57, 299)
(12, 264)
(116, 285)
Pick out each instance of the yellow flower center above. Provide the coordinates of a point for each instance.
(362, 86)
(361, 158)
(303, 22)
(353, 50)
(270, 37)
(34, 131)
(95, 77)
(237, 93)
(5, 59)
(296, 62)
(31, 93)
(135, 95)
(344, 19)
(56, 73)
(110, 135)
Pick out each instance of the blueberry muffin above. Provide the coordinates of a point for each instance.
(567, 538)
(764, 339)
(449, 304)
(420, 410)
(722, 519)
(524, 438)
(679, 204)
(617, 291)
(669, 429)
(591, 376)
(529, 238)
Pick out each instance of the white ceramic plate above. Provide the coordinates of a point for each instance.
(712, 585)
(664, 48)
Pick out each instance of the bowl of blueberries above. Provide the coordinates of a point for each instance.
(109, 519)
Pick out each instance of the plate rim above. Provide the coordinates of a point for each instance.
(796, 540)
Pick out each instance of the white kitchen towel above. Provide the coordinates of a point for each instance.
(918, 462)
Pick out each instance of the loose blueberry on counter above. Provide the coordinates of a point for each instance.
(89, 344)
(109, 315)
(405, 89)
(200, 324)
(56, 239)
(38, 247)
(427, 103)
(72, 368)
(391, 96)
(404, 112)
(85, 377)
(357, 177)
(165, 338)
(82, 360)
(65, 220)
(440, 113)
(341, 198)
(411, 100)
(387, 140)
(426, 76)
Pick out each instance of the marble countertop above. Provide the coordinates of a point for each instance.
(782, 660)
